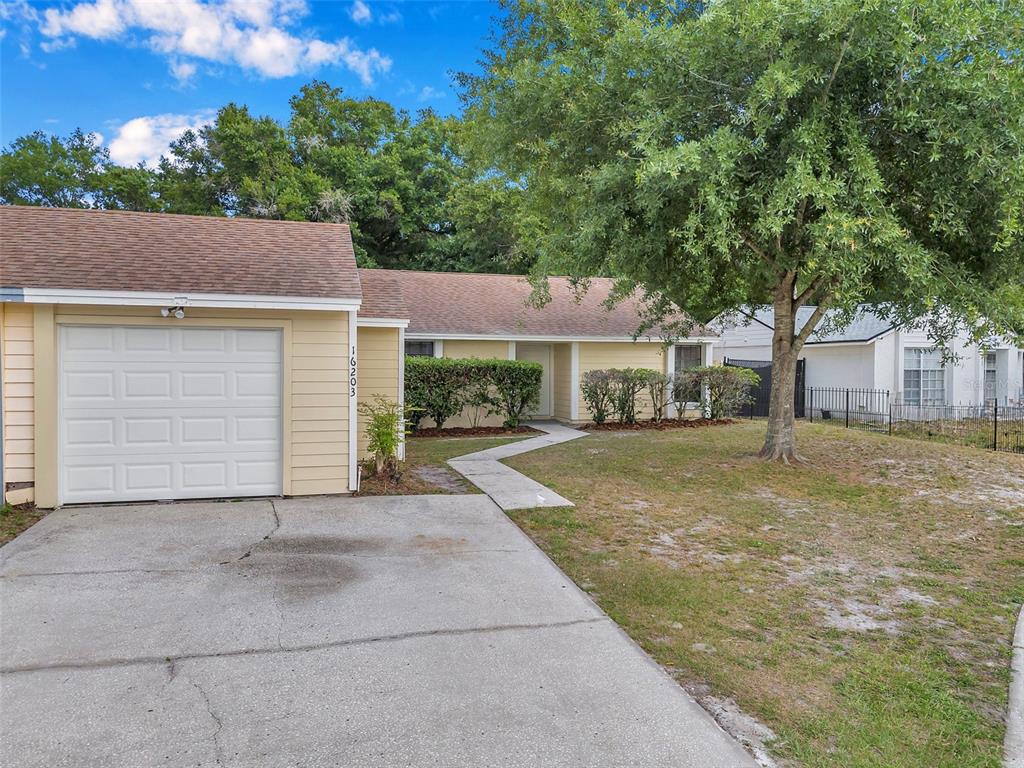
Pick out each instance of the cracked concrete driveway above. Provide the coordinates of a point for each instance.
(321, 632)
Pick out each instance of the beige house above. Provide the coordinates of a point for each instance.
(156, 357)
(148, 356)
(488, 316)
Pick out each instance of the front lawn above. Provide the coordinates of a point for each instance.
(861, 606)
(15, 519)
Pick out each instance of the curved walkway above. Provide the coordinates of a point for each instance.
(506, 487)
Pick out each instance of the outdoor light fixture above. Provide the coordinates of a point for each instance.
(178, 312)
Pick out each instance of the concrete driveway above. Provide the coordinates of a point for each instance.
(408, 631)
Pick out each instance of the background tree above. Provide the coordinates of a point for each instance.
(402, 182)
(782, 152)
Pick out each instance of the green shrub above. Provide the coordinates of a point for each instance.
(627, 383)
(597, 389)
(517, 388)
(721, 390)
(658, 390)
(435, 387)
(385, 429)
(442, 387)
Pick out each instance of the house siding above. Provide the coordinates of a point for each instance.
(18, 350)
(378, 370)
(561, 381)
(602, 355)
(315, 409)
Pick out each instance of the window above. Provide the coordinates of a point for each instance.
(924, 378)
(990, 377)
(687, 356)
(419, 349)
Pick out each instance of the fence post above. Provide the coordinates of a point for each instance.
(995, 426)
(812, 403)
(847, 407)
(890, 416)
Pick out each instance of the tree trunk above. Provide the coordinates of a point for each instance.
(780, 442)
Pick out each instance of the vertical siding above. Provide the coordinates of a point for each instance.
(561, 380)
(16, 327)
(378, 370)
(485, 350)
(601, 355)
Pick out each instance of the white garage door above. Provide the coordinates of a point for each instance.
(169, 413)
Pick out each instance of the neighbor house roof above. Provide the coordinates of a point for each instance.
(59, 249)
(865, 326)
(460, 304)
(382, 296)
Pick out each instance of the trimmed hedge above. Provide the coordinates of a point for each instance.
(441, 387)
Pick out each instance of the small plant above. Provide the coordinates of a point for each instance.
(517, 388)
(721, 390)
(597, 390)
(658, 391)
(627, 383)
(385, 429)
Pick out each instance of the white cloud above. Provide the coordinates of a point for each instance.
(360, 12)
(429, 92)
(257, 35)
(145, 139)
(391, 17)
(183, 71)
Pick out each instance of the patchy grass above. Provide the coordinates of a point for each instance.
(15, 519)
(861, 606)
(425, 471)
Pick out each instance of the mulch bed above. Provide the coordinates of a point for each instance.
(610, 426)
(473, 431)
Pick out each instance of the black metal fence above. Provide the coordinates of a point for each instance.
(761, 393)
(996, 427)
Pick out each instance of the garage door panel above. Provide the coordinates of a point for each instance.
(161, 413)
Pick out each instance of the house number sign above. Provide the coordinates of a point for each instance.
(352, 372)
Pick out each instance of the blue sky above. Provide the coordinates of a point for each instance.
(138, 72)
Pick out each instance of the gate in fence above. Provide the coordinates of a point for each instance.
(762, 393)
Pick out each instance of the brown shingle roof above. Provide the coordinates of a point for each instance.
(478, 304)
(382, 295)
(125, 251)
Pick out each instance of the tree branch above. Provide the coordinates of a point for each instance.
(835, 69)
(810, 290)
(813, 321)
(755, 248)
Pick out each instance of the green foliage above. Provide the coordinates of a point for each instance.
(597, 390)
(435, 387)
(721, 390)
(784, 152)
(75, 172)
(385, 429)
(405, 184)
(442, 387)
(627, 384)
(517, 388)
(657, 384)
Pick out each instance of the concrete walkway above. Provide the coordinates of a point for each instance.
(506, 487)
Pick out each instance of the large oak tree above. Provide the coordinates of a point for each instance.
(793, 153)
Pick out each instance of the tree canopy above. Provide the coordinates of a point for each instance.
(782, 152)
(402, 182)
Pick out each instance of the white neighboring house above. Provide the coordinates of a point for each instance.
(871, 354)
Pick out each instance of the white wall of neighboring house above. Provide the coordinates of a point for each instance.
(879, 363)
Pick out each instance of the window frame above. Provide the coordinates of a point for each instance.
(929, 382)
(413, 342)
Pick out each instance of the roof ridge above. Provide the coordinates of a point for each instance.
(171, 215)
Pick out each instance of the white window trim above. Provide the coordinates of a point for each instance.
(382, 322)
(574, 376)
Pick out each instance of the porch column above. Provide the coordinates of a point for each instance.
(511, 350)
(574, 375)
(670, 370)
(401, 393)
